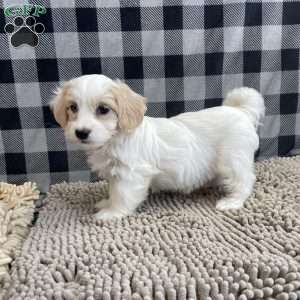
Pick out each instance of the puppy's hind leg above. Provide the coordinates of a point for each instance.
(237, 177)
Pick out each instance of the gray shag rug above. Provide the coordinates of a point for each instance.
(174, 247)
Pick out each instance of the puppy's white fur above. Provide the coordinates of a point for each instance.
(135, 153)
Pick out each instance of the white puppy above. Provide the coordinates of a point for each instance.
(135, 153)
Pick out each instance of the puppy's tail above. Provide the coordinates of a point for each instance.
(249, 101)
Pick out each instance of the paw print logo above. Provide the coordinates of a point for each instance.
(24, 31)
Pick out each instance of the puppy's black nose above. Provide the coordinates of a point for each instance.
(82, 134)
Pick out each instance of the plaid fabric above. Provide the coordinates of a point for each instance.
(183, 55)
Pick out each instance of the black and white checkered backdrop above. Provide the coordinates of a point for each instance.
(183, 55)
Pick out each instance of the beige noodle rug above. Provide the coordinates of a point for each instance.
(174, 247)
(16, 213)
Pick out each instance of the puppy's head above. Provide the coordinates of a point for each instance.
(93, 108)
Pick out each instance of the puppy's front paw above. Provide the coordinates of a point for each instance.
(229, 203)
(108, 214)
(102, 204)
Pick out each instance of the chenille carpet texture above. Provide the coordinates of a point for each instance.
(174, 247)
(16, 214)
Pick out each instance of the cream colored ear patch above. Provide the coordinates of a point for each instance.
(59, 104)
(130, 106)
(16, 213)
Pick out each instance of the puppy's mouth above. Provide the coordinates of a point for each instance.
(91, 145)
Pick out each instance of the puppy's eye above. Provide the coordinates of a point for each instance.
(74, 107)
(102, 110)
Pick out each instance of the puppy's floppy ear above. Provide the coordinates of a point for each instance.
(58, 105)
(130, 106)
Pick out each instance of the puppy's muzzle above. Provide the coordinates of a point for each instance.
(82, 134)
